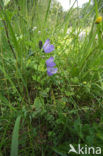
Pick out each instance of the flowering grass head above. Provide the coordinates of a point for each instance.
(47, 47)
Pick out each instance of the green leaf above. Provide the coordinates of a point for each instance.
(38, 103)
(14, 145)
(47, 10)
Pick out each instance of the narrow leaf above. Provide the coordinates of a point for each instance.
(14, 145)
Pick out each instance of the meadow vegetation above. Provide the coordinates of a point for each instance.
(41, 115)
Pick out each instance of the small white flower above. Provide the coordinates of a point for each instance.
(96, 37)
(34, 28)
(39, 32)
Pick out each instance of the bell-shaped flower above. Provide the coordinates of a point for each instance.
(50, 62)
(47, 47)
(51, 71)
(50, 66)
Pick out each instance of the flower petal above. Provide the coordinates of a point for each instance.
(46, 42)
(51, 71)
(50, 62)
(48, 47)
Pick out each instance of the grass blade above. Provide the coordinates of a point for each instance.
(14, 145)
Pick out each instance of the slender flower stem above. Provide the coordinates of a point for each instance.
(7, 35)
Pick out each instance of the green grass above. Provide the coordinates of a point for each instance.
(41, 115)
(14, 146)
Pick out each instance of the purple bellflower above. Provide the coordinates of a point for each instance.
(50, 66)
(51, 71)
(47, 47)
(50, 62)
